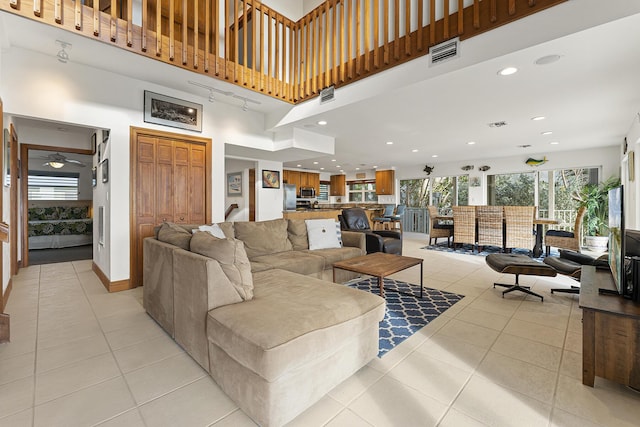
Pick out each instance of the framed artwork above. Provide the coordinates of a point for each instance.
(105, 170)
(631, 165)
(101, 225)
(99, 153)
(94, 177)
(168, 111)
(6, 170)
(270, 179)
(234, 184)
(475, 181)
(105, 135)
(93, 143)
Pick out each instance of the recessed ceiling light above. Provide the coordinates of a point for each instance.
(546, 133)
(435, 155)
(554, 143)
(389, 142)
(338, 166)
(375, 167)
(315, 163)
(508, 71)
(537, 118)
(357, 169)
(333, 160)
(414, 150)
(545, 60)
(471, 143)
(299, 166)
(321, 169)
(322, 122)
(342, 171)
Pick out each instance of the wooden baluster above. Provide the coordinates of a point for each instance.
(335, 16)
(172, 35)
(270, 53)
(196, 38)
(367, 36)
(114, 20)
(215, 22)
(376, 34)
(460, 17)
(262, 68)
(185, 27)
(14, 4)
(476, 14)
(291, 33)
(316, 51)
(358, 35)
(37, 7)
(245, 53)
(276, 60)
(57, 11)
(327, 47)
(420, 18)
(432, 22)
(129, 22)
(494, 11)
(295, 79)
(255, 14)
(446, 19)
(349, 37)
(385, 49)
(145, 17)
(236, 50)
(158, 27)
(307, 61)
(396, 38)
(407, 31)
(207, 34)
(343, 21)
(512, 7)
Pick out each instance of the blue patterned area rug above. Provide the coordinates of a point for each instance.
(486, 250)
(405, 314)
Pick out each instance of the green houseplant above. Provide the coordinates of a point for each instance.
(595, 198)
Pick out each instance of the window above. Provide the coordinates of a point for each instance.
(414, 193)
(442, 192)
(325, 188)
(513, 189)
(44, 185)
(362, 191)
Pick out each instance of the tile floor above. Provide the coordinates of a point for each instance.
(80, 357)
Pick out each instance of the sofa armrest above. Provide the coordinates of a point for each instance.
(388, 233)
(354, 239)
(197, 278)
(158, 282)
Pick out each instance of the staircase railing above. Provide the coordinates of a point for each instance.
(230, 209)
(251, 45)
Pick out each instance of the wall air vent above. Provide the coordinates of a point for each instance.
(497, 124)
(444, 51)
(327, 94)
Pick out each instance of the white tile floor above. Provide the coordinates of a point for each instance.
(80, 356)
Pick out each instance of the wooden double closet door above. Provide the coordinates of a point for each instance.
(171, 182)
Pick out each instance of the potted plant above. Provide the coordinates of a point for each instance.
(595, 198)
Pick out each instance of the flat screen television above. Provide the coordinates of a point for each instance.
(632, 263)
(616, 238)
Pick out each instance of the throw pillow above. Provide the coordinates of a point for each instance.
(213, 229)
(233, 260)
(175, 235)
(322, 234)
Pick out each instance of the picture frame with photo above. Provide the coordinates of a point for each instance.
(234, 184)
(270, 179)
(94, 177)
(105, 170)
(168, 111)
(93, 143)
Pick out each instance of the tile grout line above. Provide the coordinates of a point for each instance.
(35, 354)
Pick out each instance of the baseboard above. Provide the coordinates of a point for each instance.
(117, 286)
(4, 297)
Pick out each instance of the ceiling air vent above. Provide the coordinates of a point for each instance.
(327, 94)
(444, 51)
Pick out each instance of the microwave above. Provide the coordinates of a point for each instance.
(307, 192)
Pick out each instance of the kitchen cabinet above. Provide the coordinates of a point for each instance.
(302, 179)
(338, 185)
(385, 182)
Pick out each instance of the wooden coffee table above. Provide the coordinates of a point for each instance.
(379, 264)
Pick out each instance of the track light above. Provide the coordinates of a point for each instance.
(245, 106)
(212, 98)
(213, 91)
(62, 54)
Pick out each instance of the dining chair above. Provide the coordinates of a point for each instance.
(384, 219)
(490, 226)
(396, 218)
(464, 225)
(562, 239)
(436, 228)
(518, 222)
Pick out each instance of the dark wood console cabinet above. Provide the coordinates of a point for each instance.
(610, 332)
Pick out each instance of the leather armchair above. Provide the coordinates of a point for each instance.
(388, 241)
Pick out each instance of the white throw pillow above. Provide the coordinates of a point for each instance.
(322, 234)
(213, 229)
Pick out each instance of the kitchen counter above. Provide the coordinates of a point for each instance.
(312, 214)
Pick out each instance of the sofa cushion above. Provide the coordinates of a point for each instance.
(297, 230)
(232, 257)
(174, 234)
(264, 237)
(290, 321)
(227, 229)
(300, 262)
(259, 266)
(322, 234)
(334, 255)
(213, 229)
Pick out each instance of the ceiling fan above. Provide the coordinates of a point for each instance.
(57, 161)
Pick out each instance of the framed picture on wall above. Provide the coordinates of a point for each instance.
(93, 144)
(234, 184)
(270, 179)
(94, 177)
(174, 112)
(105, 170)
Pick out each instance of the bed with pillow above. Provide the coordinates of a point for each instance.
(60, 225)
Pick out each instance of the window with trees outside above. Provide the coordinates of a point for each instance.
(362, 191)
(442, 192)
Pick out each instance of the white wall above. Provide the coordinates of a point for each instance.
(242, 166)
(74, 93)
(632, 188)
(269, 201)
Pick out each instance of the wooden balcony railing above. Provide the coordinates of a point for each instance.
(252, 45)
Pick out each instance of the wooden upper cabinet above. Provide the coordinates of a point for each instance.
(313, 181)
(385, 182)
(301, 179)
(338, 185)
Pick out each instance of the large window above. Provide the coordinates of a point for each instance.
(362, 191)
(442, 192)
(325, 187)
(514, 189)
(44, 185)
(414, 193)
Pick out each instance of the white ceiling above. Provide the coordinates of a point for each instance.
(589, 97)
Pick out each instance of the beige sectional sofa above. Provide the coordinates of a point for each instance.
(278, 346)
